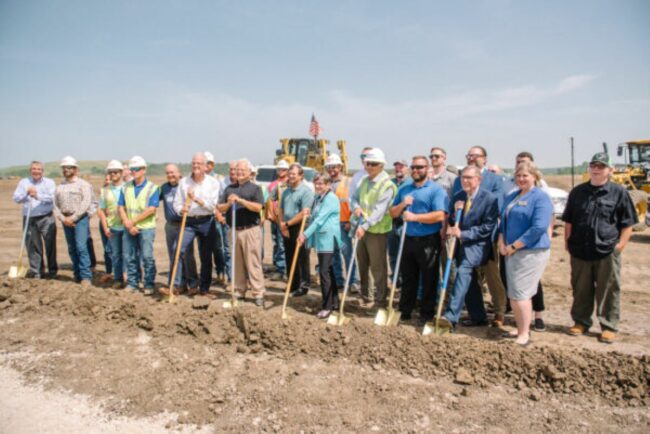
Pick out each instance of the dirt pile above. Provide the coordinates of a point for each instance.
(620, 378)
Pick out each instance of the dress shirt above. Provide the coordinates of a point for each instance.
(207, 191)
(44, 201)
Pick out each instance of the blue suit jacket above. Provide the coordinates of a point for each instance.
(477, 228)
(490, 182)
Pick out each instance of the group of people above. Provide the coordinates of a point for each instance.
(500, 228)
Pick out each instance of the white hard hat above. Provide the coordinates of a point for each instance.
(114, 165)
(333, 160)
(282, 164)
(375, 155)
(69, 161)
(137, 161)
(209, 158)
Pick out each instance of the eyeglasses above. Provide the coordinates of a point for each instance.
(474, 155)
(468, 177)
(435, 156)
(68, 167)
(418, 167)
(597, 165)
(114, 172)
(136, 169)
(372, 163)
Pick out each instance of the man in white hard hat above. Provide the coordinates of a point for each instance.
(137, 207)
(110, 221)
(371, 203)
(276, 188)
(72, 202)
(340, 187)
(36, 194)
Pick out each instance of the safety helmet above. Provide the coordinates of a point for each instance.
(114, 165)
(137, 161)
(282, 164)
(69, 161)
(333, 160)
(375, 155)
(209, 158)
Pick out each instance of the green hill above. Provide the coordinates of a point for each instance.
(91, 167)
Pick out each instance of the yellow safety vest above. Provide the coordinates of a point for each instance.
(137, 205)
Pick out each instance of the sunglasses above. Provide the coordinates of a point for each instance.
(136, 169)
(435, 156)
(114, 172)
(418, 167)
(597, 165)
(372, 164)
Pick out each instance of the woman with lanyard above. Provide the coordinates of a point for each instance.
(324, 233)
(524, 242)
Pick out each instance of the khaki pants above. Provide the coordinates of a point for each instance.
(371, 256)
(598, 281)
(248, 262)
(494, 283)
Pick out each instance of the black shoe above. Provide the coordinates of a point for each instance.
(539, 325)
(405, 316)
(299, 293)
(471, 323)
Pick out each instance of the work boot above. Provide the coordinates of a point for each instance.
(118, 285)
(577, 330)
(607, 337)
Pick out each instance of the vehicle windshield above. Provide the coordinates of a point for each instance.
(266, 174)
(309, 174)
(639, 154)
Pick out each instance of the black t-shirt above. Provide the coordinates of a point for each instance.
(250, 192)
(597, 215)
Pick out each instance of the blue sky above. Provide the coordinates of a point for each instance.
(163, 79)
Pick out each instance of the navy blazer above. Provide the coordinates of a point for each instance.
(477, 228)
(490, 182)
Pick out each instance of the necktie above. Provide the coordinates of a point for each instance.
(468, 205)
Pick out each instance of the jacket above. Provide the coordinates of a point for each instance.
(528, 219)
(477, 227)
(324, 227)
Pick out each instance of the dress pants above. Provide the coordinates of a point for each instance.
(41, 235)
(371, 256)
(328, 281)
(248, 262)
(301, 275)
(420, 261)
(204, 229)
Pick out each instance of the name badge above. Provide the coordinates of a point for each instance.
(522, 203)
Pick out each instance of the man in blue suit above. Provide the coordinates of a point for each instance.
(477, 156)
(474, 236)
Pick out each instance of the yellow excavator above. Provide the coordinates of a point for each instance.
(309, 152)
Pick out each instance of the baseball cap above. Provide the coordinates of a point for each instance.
(601, 158)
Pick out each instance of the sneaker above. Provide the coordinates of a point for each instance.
(607, 337)
(539, 325)
(259, 302)
(577, 330)
(323, 314)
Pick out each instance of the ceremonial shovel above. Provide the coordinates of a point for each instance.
(19, 270)
(292, 270)
(391, 316)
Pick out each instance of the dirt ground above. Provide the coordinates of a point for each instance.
(129, 363)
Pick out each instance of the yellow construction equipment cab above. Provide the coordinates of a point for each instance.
(309, 153)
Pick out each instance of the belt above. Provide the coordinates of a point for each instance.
(243, 228)
(41, 216)
(199, 218)
(423, 237)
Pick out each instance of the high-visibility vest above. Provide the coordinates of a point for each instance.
(342, 193)
(137, 205)
(369, 198)
(112, 215)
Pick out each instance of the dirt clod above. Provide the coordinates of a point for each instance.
(463, 376)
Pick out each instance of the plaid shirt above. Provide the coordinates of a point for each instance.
(72, 199)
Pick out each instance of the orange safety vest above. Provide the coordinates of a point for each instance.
(342, 193)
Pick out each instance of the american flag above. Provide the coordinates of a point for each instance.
(314, 127)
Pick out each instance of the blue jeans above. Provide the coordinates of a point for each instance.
(346, 251)
(117, 247)
(205, 230)
(224, 249)
(108, 252)
(77, 239)
(466, 290)
(140, 249)
(278, 249)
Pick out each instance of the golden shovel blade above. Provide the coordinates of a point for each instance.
(335, 319)
(17, 271)
(393, 317)
(381, 318)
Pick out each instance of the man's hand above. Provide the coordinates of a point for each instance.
(284, 230)
(31, 191)
(408, 200)
(503, 250)
(346, 226)
(128, 224)
(360, 232)
(301, 239)
(108, 233)
(453, 231)
(408, 216)
(134, 231)
(233, 198)
(619, 247)
(306, 212)
(459, 204)
(68, 222)
(190, 194)
(358, 212)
